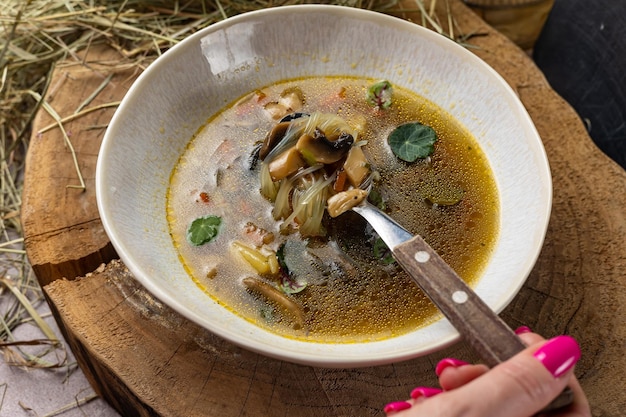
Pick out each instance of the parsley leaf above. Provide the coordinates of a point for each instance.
(203, 229)
(411, 141)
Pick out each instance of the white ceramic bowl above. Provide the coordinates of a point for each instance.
(213, 67)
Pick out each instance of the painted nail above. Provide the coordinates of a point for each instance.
(397, 406)
(448, 363)
(522, 330)
(559, 355)
(424, 392)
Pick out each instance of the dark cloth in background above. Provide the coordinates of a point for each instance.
(582, 52)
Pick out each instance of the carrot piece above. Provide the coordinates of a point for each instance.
(340, 182)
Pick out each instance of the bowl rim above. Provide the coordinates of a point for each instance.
(308, 358)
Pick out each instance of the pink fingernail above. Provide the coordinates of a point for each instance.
(559, 355)
(447, 363)
(397, 406)
(522, 330)
(424, 392)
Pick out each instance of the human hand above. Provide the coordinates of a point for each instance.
(519, 387)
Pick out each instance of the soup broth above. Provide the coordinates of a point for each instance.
(341, 285)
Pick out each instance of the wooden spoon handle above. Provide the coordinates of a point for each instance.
(480, 326)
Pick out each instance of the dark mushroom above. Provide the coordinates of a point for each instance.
(277, 133)
(318, 149)
(272, 138)
(294, 116)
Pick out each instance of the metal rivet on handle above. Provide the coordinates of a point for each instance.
(459, 297)
(422, 256)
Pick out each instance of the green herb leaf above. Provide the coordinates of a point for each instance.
(379, 94)
(411, 141)
(280, 255)
(203, 229)
(377, 199)
(294, 263)
(382, 252)
(268, 314)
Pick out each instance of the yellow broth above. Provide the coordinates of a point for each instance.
(350, 295)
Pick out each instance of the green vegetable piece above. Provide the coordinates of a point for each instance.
(294, 263)
(382, 252)
(440, 190)
(411, 141)
(379, 94)
(267, 313)
(445, 196)
(377, 199)
(203, 229)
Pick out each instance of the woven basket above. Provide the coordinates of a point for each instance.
(497, 4)
(520, 20)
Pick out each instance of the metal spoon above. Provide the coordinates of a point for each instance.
(481, 327)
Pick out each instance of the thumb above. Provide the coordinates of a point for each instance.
(526, 383)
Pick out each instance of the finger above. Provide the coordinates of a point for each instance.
(530, 338)
(453, 373)
(394, 407)
(581, 403)
(453, 377)
(526, 383)
(578, 408)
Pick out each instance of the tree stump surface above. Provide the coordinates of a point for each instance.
(145, 359)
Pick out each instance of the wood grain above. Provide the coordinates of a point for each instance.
(146, 360)
(62, 229)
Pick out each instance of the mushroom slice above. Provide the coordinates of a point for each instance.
(344, 201)
(275, 296)
(272, 138)
(286, 164)
(356, 166)
(318, 149)
(275, 110)
(292, 98)
(294, 116)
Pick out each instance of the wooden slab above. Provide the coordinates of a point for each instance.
(151, 360)
(145, 359)
(62, 229)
